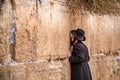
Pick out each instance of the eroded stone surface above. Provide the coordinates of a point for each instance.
(38, 70)
(5, 21)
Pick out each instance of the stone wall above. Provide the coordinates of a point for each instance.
(32, 36)
(34, 41)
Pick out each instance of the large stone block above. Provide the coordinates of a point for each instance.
(44, 31)
(26, 24)
(4, 73)
(17, 71)
(5, 22)
(59, 70)
(66, 72)
(99, 68)
(103, 67)
(54, 44)
(99, 38)
(115, 34)
(37, 71)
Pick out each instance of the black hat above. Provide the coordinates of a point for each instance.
(79, 34)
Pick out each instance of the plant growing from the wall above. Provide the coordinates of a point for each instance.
(100, 7)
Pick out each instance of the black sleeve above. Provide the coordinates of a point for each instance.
(78, 54)
(75, 59)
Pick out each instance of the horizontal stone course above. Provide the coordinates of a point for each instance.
(38, 70)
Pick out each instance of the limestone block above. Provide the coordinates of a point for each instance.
(55, 71)
(59, 70)
(18, 72)
(116, 34)
(112, 66)
(66, 71)
(118, 74)
(60, 30)
(37, 71)
(99, 38)
(103, 67)
(99, 69)
(44, 31)
(104, 34)
(4, 72)
(53, 32)
(25, 30)
(5, 22)
(105, 27)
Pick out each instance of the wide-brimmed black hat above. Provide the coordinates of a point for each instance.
(79, 34)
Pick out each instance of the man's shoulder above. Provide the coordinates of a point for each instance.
(79, 45)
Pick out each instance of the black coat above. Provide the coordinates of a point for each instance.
(79, 62)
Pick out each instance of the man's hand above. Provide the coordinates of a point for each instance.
(68, 54)
(71, 40)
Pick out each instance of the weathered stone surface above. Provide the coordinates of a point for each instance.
(103, 67)
(101, 40)
(116, 34)
(4, 73)
(52, 34)
(44, 31)
(60, 30)
(37, 70)
(118, 74)
(5, 21)
(37, 27)
(26, 30)
(18, 72)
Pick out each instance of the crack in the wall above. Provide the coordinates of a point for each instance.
(36, 28)
(12, 30)
(11, 51)
(11, 40)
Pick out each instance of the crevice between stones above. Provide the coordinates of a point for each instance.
(11, 52)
